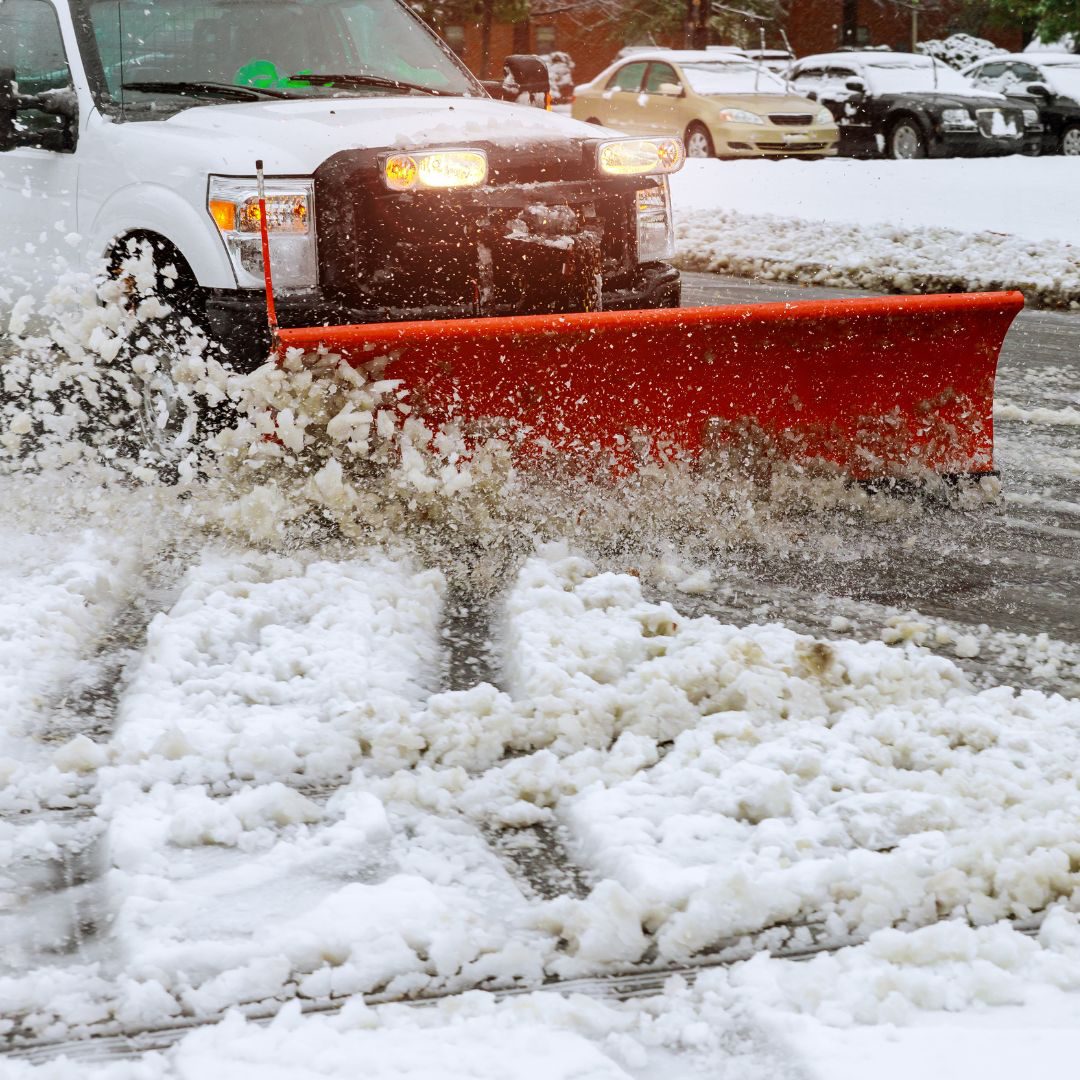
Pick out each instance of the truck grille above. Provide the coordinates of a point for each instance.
(791, 119)
(499, 249)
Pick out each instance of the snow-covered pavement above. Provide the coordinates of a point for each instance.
(903, 226)
(292, 809)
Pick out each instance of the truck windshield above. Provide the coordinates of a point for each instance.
(177, 53)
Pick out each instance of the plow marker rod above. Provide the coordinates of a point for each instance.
(873, 386)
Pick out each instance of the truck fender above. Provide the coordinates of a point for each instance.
(153, 208)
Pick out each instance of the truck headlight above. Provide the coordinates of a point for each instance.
(435, 169)
(655, 234)
(957, 119)
(1031, 118)
(233, 203)
(640, 157)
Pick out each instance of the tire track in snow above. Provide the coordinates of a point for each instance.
(58, 893)
(536, 856)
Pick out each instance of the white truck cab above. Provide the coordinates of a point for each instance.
(396, 186)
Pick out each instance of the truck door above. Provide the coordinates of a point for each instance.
(38, 173)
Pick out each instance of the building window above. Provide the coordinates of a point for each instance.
(545, 39)
(454, 36)
(862, 35)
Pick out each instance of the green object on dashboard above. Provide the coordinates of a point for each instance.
(264, 74)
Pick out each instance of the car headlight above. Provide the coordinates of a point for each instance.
(290, 223)
(437, 170)
(957, 118)
(655, 233)
(1031, 118)
(824, 117)
(640, 157)
(740, 116)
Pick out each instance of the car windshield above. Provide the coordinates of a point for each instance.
(211, 50)
(915, 75)
(732, 78)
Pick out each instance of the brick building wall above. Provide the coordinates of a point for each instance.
(812, 26)
(591, 51)
(815, 26)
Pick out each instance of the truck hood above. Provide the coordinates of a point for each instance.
(295, 137)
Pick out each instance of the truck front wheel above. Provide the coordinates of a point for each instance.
(170, 419)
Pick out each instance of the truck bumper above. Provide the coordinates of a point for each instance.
(237, 319)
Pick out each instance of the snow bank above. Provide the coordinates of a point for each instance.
(893, 226)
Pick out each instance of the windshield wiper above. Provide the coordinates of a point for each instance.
(368, 80)
(207, 89)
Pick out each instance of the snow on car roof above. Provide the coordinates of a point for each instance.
(864, 59)
(899, 73)
(690, 56)
(1052, 60)
(1042, 59)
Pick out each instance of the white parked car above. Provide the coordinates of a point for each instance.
(396, 187)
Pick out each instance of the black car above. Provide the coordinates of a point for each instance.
(1048, 81)
(903, 105)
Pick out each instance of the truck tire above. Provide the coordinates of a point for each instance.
(699, 142)
(1070, 141)
(164, 410)
(906, 140)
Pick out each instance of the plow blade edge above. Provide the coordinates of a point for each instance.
(873, 386)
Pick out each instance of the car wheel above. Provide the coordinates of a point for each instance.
(699, 142)
(1070, 140)
(906, 141)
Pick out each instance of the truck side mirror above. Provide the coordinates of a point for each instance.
(856, 86)
(7, 108)
(1039, 90)
(64, 105)
(61, 103)
(524, 75)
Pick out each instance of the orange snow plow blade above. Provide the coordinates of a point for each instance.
(873, 386)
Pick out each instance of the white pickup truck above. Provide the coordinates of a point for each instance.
(396, 187)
